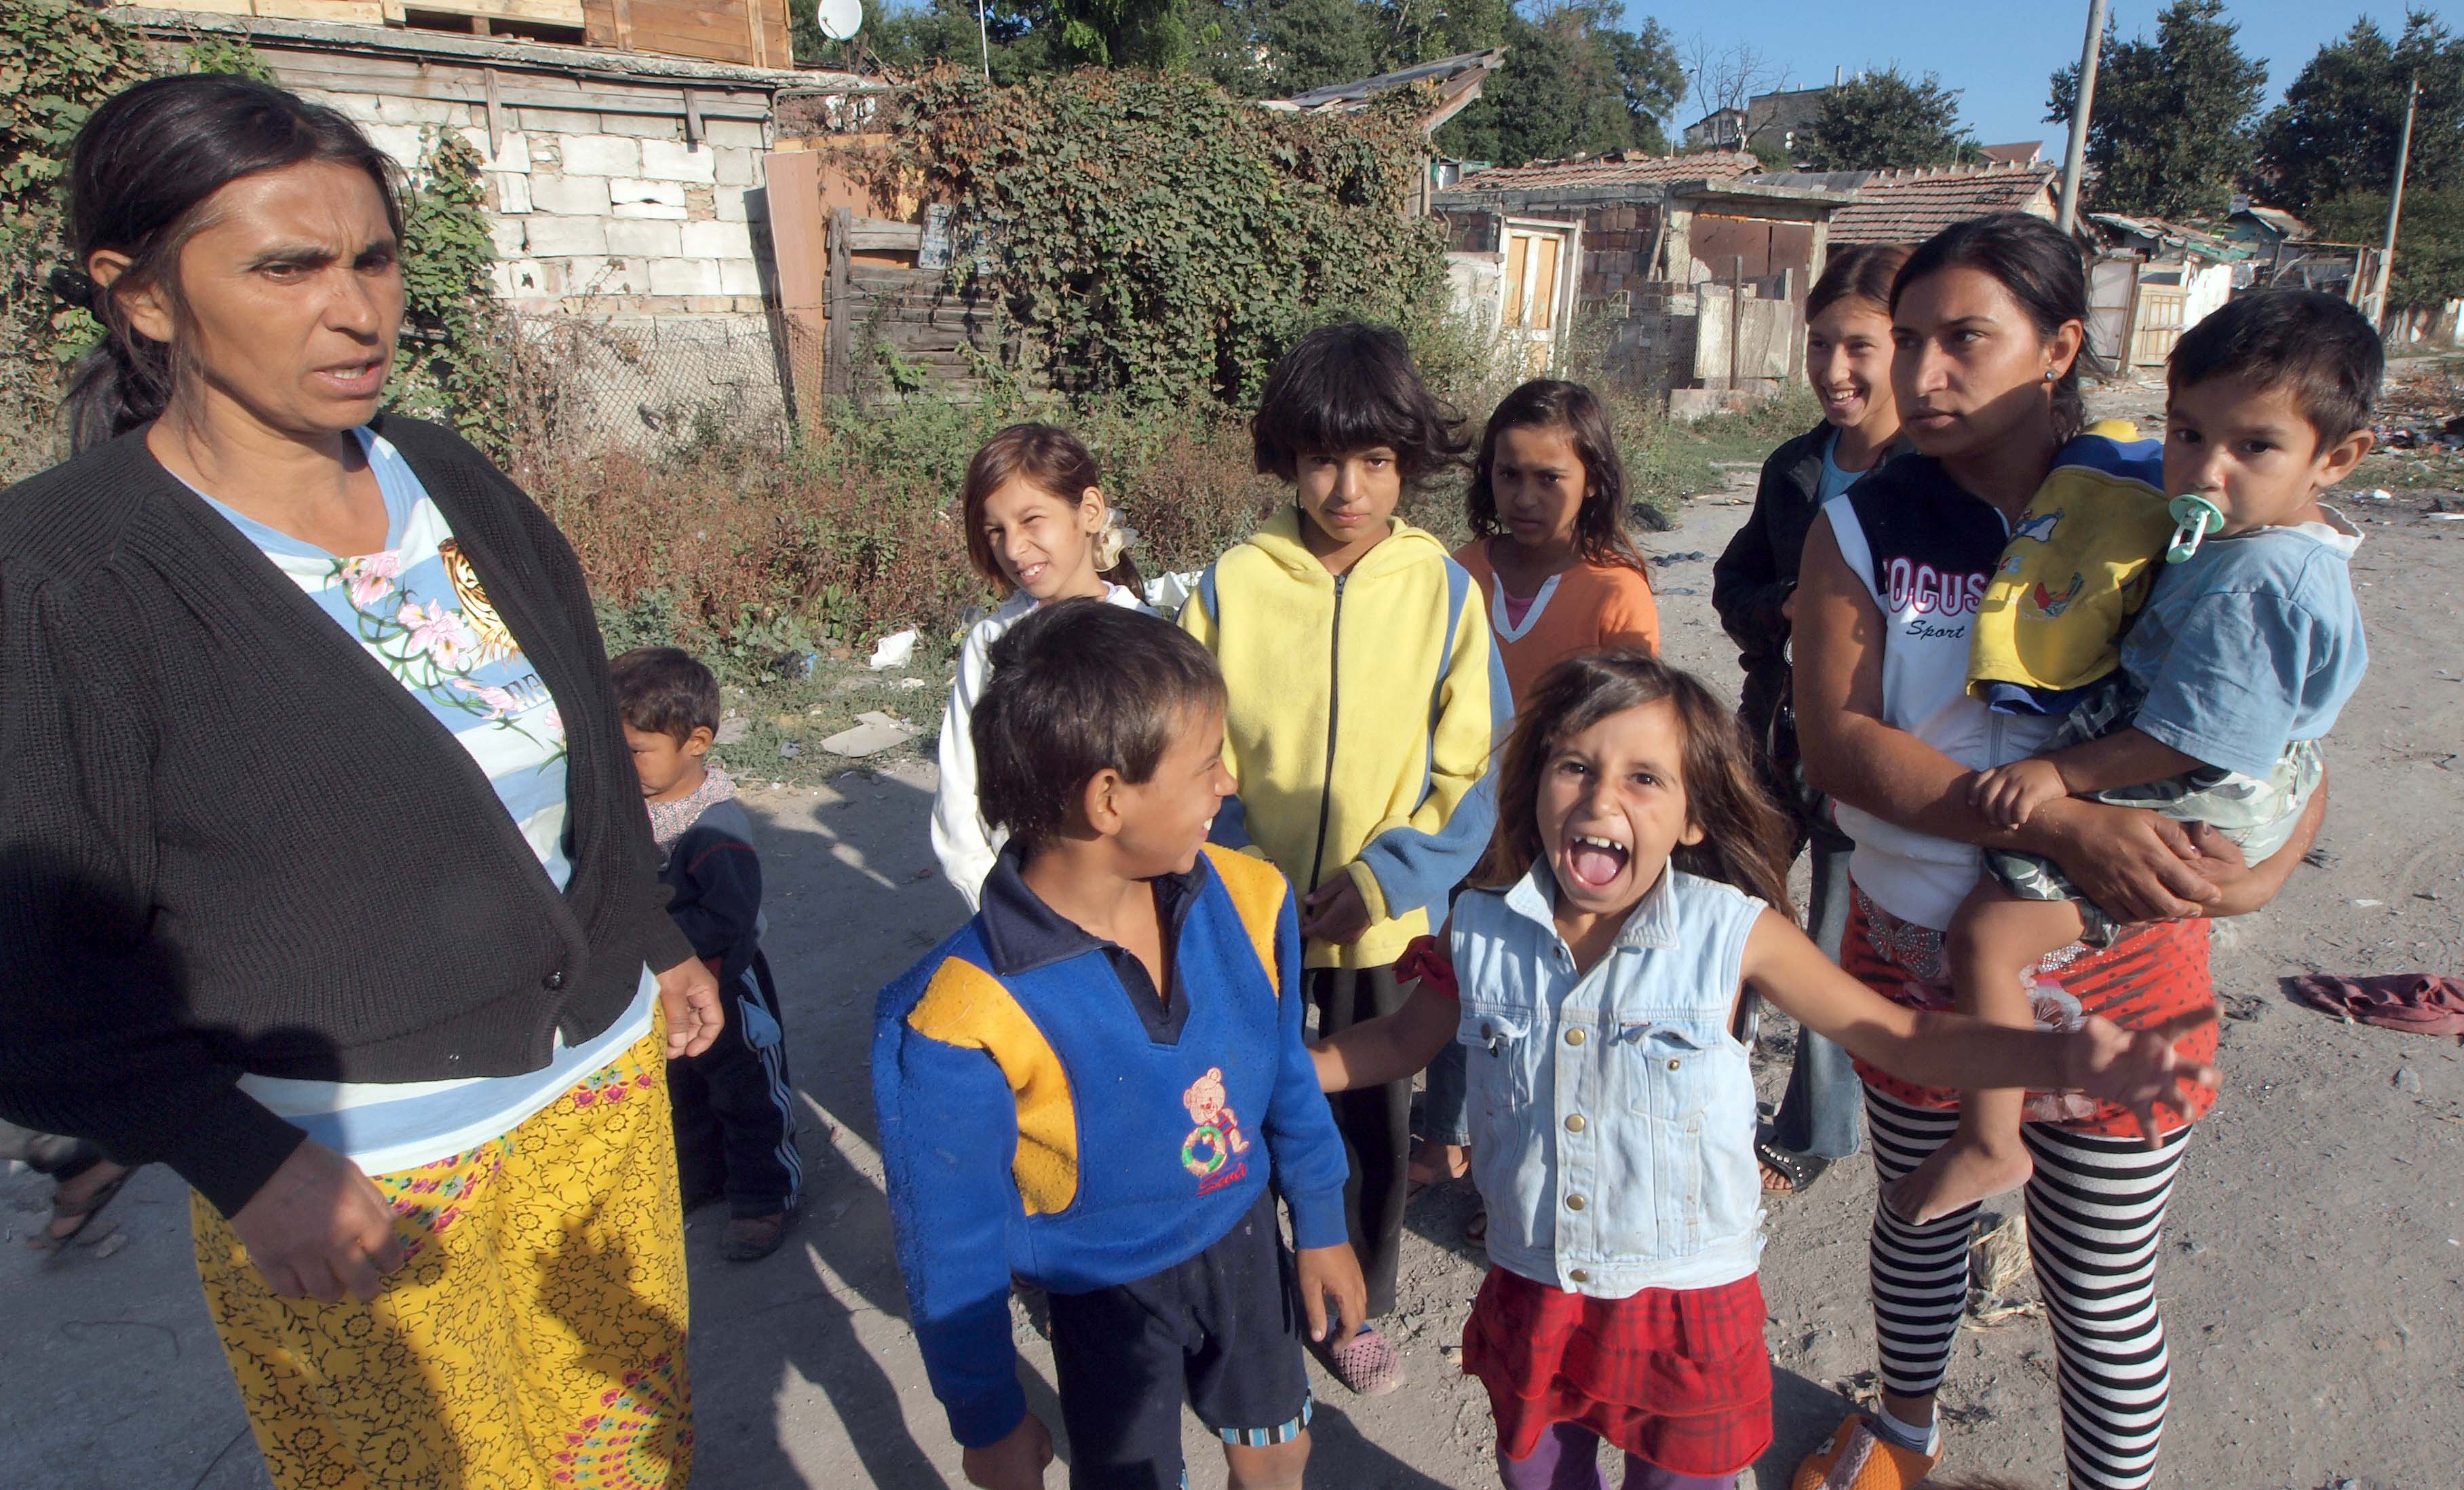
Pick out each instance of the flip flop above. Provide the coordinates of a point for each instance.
(1857, 1458)
(81, 1212)
(1799, 1169)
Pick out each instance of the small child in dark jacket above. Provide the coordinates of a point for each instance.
(735, 1110)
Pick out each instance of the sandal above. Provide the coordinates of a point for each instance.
(1476, 1230)
(750, 1238)
(1796, 1170)
(79, 1213)
(1366, 1363)
(1858, 1457)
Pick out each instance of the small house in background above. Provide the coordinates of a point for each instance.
(2175, 276)
(2027, 152)
(1694, 275)
(1911, 206)
(2265, 229)
(1778, 120)
(2284, 250)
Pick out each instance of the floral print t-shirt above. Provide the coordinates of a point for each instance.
(417, 607)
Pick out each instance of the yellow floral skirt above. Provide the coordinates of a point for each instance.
(534, 1341)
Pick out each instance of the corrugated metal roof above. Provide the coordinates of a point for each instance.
(2283, 222)
(2165, 236)
(1910, 207)
(1615, 168)
(1441, 70)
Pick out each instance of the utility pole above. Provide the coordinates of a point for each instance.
(984, 35)
(2395, 205)
(2077, 161)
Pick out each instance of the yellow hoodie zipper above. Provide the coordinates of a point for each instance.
(1333, 694)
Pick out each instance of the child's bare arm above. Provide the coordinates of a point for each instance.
(2010, 794)
(1391, 1047)
(2137, 1069)
(2125, 757)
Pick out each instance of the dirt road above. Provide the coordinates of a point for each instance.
(2313, 1274)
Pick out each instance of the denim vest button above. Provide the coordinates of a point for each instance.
(1674, 1064)
(1574, 1202)
(1577, 1276)
(1575, 1123)
(1573, 1037)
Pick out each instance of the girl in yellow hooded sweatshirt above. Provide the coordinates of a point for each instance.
(1366, 697)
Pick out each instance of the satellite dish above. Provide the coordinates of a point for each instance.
(840, 19)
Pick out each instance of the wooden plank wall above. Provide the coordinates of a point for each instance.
(907, 312)
(752, 33)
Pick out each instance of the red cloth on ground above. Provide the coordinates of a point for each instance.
(1678, 1376)
(2418, 1003)
(2154, 972)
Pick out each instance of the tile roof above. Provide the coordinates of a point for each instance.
(2027, 152)
(1615, 168)
(1910, 207)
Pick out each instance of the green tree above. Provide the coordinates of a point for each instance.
(1573, 83)
(1887, 120)
(2336, 131)
(2170, 132)
(912, 38)
(1306, 44)
(2428, 268)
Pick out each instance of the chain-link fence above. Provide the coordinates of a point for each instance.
(648, 381)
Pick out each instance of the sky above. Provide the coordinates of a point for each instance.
(1998, 53)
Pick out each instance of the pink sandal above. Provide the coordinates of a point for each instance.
(1366, 1363)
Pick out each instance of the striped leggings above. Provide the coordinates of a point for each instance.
(2095, 1209)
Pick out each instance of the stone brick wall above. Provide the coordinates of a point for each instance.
(1616, 250)
(604, 214)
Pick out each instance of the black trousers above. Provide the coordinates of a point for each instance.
(734, 1108)
(1376, 1126)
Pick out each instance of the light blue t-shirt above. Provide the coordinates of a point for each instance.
(1834, 479)
(2253, 643)
(417, 608)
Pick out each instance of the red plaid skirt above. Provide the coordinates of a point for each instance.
(1678, 1376)
(2152, 973)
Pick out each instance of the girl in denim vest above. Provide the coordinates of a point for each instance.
(1596, 974)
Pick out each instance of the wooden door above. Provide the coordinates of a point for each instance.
(1534, 289)
(2159, 326)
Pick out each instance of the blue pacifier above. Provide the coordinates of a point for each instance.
(2194, 518)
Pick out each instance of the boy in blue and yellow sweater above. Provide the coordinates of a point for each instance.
(1100, 1083)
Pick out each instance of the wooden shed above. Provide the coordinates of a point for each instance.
(746, 32)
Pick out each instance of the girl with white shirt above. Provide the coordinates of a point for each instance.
(1636, 888)
(1038, 527)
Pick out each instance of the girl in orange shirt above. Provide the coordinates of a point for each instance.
(1559, 577)
(1549, 546)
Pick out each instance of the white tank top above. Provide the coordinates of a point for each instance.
(1924, 548)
